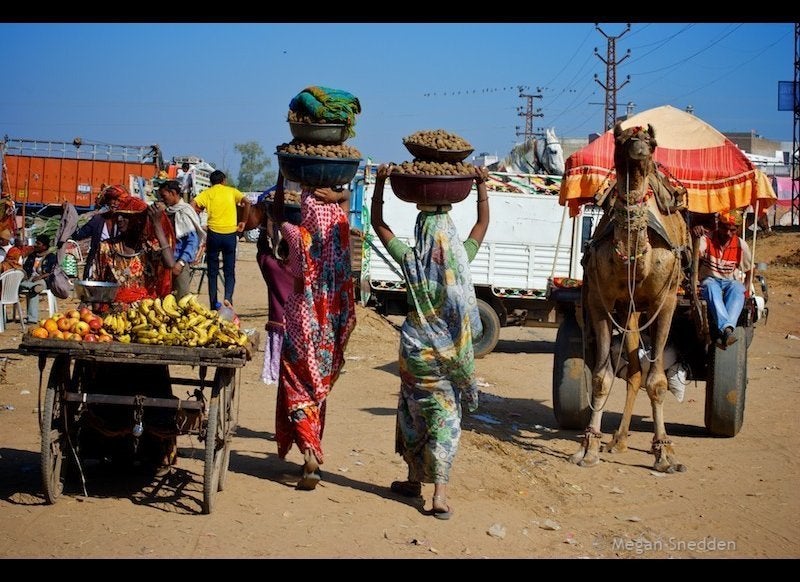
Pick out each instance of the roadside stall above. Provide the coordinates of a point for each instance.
(74, 404)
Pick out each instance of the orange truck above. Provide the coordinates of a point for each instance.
(41, 174)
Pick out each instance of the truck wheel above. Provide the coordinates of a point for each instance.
(491, 330)
(572, 378)
(725, 387)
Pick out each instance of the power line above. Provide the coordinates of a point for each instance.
(468, 91)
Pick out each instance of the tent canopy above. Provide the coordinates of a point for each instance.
(715, 172)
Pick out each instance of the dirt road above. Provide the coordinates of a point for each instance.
(513, 491)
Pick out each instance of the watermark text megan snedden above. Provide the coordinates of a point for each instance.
(707, 544)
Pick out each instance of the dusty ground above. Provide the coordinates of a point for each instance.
(513, 491)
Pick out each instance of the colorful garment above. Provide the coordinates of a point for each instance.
(728, 261)
(319, 317)
(8, 214)
(437, 367)
(280, 282)
(142, 273)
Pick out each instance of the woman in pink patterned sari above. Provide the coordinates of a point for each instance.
(319, 317)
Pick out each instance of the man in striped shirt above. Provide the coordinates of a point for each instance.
(725, 274)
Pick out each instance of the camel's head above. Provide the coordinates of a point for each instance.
(634, 143)
(633, 160)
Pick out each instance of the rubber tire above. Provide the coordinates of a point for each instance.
(230, 425)
(572, 377)
(55, 445)
(214, 453)
(491, 330)
(726, 387)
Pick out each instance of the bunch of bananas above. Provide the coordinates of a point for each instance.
(171, 322)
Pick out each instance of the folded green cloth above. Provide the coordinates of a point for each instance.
(323, 103)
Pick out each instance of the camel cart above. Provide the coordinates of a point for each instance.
(70, 399)
(723, 370)
(680, 164)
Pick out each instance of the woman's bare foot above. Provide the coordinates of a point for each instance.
(311, 463)
(311, 475)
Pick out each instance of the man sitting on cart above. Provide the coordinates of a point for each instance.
(725, 273)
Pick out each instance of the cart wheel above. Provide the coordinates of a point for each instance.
(231, 409)
(219, 430)
(572, 378)
(55, 442)
(725, 387)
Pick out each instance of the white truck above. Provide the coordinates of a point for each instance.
(531, 242)
(201, 172)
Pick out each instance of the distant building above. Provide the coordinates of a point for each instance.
(753, 143)
(484, 159)
(770, 156)
(570, 145)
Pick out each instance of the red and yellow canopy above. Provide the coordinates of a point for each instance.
(715, 172)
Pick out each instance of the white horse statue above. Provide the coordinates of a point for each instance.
(551, 154)
(536, 156)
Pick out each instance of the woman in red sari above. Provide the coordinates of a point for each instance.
(319, 317)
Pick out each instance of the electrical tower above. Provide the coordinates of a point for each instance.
(611, 76)
(528, 113)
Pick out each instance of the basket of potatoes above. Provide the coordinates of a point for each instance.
(318, 165)
(438, 174)
(437, 145)
(432, 183)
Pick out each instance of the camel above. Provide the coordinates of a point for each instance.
(633, 268)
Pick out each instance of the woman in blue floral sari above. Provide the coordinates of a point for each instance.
(437, 368)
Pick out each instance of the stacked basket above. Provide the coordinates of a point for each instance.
(438, 175)
(317, 156)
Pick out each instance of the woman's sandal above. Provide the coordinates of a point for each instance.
(406, 488)
(440, 513)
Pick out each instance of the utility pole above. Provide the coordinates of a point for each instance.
(528, 113)
(610, 86)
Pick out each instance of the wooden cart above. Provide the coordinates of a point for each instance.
(69, 396)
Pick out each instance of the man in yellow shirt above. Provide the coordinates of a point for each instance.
(220, 202)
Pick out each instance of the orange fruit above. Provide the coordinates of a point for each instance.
(40, 332)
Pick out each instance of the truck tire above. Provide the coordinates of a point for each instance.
(491, 330)
(572, 377)
(725, 387)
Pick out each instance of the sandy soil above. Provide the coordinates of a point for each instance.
(514, 493)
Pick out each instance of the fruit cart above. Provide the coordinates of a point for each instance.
(70, 397)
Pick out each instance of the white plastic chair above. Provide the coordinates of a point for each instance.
(9, 281)
(52, 302)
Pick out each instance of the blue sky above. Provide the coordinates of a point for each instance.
(198, 89)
